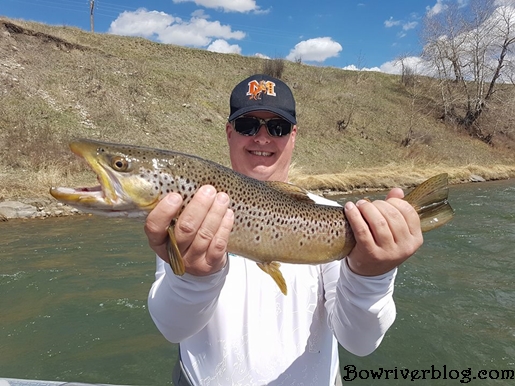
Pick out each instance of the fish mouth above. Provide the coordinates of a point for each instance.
(105, 196)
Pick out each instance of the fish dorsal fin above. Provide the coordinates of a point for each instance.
(291, 190)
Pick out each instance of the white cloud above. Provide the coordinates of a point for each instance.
(315, 50)
(196, 32)
(406, 26)
(391, 23)
(141, 23)
(409, 25)
(352, 67)
(415, 63)
(262, 56)
(200, 13)
(418, 65)
(221, 46)
(437, 8)
(226, 5)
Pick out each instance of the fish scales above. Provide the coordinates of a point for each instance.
(274, 221)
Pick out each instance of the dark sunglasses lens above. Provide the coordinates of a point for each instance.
(278, 127)
(246, 126)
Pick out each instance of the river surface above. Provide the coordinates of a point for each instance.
(73, 302)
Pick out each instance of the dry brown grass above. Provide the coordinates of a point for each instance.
(58, 83)
(396, 176)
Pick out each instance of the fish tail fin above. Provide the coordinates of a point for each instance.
(273, 270)
(430, 201)
(174, 255)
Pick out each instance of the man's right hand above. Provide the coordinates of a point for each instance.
(202, 230)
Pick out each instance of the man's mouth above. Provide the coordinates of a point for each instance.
(261, 153)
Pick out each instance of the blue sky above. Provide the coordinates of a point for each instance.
(338, 33)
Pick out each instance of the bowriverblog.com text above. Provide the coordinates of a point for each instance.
(351, 373)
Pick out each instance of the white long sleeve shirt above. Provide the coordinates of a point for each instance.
(235, 327)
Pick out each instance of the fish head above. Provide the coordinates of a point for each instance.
(123, 188)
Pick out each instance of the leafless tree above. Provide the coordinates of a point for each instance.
(468, 48)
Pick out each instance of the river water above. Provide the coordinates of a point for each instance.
(73, 302)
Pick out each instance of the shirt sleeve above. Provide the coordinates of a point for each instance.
(181, 306)
(360, 308)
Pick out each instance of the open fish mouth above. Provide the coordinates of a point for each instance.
(121, 191)
(107, 195)
(77, 194)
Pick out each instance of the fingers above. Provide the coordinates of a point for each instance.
(218, 245)
(199, 222)
(384, 221)
(158, 221)
(358, 223)
(395, 193)
(202, 231)
(200, 219)
(408, 216)
(387, 220)
(386, 233)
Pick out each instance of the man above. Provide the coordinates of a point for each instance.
(233, 324)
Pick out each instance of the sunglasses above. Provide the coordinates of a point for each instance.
(249, 126)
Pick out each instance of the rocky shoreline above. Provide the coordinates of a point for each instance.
(34, 208)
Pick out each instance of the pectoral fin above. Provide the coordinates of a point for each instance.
(174, 255)
(273, 270)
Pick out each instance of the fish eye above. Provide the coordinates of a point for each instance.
(119, 164)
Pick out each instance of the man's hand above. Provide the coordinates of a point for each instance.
(202, 230)
(387, 233)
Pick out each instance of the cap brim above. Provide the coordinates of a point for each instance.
(290, 118)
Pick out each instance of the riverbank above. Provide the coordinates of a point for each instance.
(34, 208)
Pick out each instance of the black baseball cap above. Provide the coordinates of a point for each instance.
(263, 93)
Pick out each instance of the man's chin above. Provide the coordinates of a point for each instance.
(260, 172)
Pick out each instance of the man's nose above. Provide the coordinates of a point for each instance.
(262, 135)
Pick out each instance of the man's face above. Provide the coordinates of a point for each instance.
(262, 156)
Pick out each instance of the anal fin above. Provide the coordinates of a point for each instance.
(273, 270)
(174, 255)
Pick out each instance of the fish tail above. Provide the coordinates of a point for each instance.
(430, 201)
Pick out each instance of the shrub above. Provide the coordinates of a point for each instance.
(273, 67)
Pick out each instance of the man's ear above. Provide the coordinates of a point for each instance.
(293, 134)
(228, 130)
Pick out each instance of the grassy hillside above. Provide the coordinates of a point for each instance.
(58, 83)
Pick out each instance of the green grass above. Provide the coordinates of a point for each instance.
(59, 83)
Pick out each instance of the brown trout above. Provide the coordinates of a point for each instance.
(274, 221)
